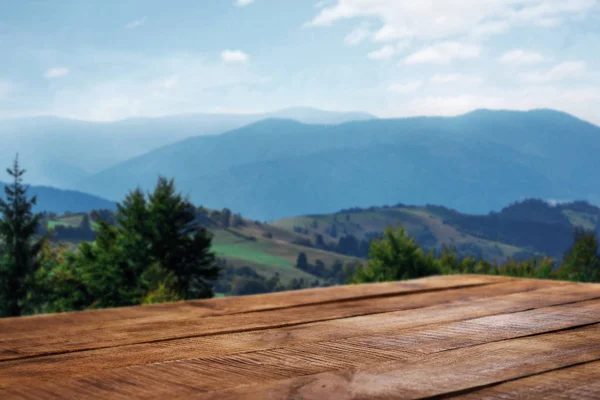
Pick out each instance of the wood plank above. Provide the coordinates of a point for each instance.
(31, 325)
(579, 382)
(439, 374)
(56, 341)
(222, 325)
(283, 360)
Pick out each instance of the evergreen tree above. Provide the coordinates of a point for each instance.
(302, 261)
(395, 257)
(135, 240)
(319, 242)
(85, 225)
(225, 218)
(85, 228)
(19, 247)
(582, 261)
(333, 231)
(237, 221)
(179, 243)
(156, 250)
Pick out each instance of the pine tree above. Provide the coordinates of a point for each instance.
(302, 261)
(225, 218)
(19, 246)
(581, 262)
(396, 256)
(135, 238)
(179, 243)
(85, 225)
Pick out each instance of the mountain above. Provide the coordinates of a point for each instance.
(59, 201)
(521, 230)
(61, 152)
(474, 163)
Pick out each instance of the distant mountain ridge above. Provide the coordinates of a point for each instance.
(62, 152)
(474, 163)
(60, 201)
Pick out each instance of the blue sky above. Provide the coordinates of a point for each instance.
(113, 59)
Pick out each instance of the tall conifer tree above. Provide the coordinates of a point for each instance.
(19, 247)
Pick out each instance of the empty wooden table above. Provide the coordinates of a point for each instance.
(467, 336)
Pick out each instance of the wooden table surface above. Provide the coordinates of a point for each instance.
(465, 336)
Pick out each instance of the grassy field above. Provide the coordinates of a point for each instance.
(581, 219)
(246, 246)
(245, 251)
(54, 223)
(418, 222)
(71, 221)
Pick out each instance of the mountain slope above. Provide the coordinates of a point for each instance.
(267, 249)
(474, 163)
(522, 229)
(61, 152)
(59, 201)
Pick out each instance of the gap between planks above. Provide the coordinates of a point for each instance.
(577, 382)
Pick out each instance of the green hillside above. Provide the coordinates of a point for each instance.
(248, 246)
(520, 230)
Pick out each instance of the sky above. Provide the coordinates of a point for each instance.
(107, 60)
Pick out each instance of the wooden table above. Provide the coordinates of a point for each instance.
(454, 336)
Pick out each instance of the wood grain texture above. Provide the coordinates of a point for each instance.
(419, 308)
(48, 334)
(455, 336)
(579, 382)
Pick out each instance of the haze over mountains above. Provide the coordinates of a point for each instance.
(275, 168)
(61, 201)
(62, 152)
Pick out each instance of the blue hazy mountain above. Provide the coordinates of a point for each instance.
(474, 163)
(58, 200)
(61, 152)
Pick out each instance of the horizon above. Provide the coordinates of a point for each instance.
(267, 114)
(104, 62)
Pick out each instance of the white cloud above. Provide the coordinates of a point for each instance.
(404, 88)
(562, 71)
(384, 53)
(443, 53)
(442, 79)
(173, 83)
(242, 3)
(402, 44)
(357, 35)
(136, 23)
(234, 56)
(56, 72)
(579, 100)
(442, 19)
(521, 57)
(490, 28)
(167, 83)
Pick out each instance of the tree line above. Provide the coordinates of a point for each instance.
(157, 251)
(397, 256)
